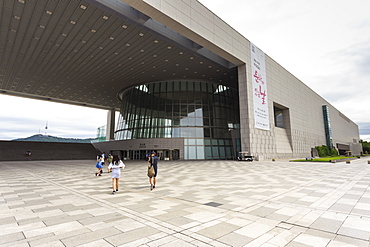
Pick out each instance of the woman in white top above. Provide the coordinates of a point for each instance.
(115, 166)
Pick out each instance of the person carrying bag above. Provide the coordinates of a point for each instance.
(152, 170)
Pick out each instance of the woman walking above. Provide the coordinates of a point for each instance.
(109, 159)
(115, 166)
(153, 161)
(99, 166)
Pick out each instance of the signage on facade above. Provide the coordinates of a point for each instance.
(259, 85)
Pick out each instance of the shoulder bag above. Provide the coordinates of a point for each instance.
(150, 171)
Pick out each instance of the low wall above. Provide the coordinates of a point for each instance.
(17, 151)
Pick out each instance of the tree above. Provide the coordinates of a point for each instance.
(365, 146)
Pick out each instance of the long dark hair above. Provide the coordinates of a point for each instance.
(116, 159)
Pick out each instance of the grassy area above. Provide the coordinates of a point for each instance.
(324, 159)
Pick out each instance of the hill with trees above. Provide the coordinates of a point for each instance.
(48, 138)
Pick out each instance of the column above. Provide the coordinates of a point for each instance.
(244, 110)
(110, 124)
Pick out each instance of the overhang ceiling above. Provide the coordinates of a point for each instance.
(84, 52)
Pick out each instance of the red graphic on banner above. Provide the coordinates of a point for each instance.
(258, 91)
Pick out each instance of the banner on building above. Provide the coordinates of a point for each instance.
(259, 84)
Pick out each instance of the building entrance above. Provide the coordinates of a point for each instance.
(168, 154)
(343, 149)
(163, 154)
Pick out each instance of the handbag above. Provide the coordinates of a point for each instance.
(151, 171)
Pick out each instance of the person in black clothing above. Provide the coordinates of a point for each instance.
(153, 160)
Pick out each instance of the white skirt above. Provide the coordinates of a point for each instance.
(116, 173)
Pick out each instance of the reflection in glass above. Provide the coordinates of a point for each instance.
(200, 111)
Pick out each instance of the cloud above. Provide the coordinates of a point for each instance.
(27, 117)
(345, 82)
(14, 127)
(364, 128)
(365, 138)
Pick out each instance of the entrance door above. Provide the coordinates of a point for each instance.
(166, 154)
(160, 154)
(135, 154)
(343, 149)
(174, 154)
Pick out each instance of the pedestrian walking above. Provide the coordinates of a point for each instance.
(115, 166)
(104, 157)
(99, 165)
(109, 160)
(153, 161)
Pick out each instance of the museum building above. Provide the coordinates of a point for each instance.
(184, 83)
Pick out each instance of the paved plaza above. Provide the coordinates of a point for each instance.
(196, 203)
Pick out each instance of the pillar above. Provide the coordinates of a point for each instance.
(111, 117)
(244, 109)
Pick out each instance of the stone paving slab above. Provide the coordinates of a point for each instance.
(196, 203)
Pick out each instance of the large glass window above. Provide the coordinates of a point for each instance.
(278, 117)
(200, 112)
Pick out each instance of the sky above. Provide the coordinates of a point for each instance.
(324, 43)
(26, 117)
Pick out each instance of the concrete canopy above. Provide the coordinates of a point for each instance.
(85, 52)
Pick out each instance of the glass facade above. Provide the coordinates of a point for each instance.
(328, 133)
(101, 134)
(200, 112)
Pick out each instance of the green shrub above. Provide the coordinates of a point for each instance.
(333, 152)
(324, 159)
(324, 151)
